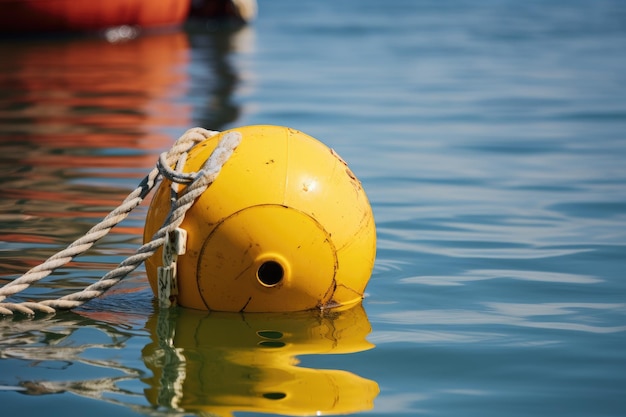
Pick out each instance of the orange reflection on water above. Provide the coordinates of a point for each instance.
(90, 93)
(81, 122)
(76, 111)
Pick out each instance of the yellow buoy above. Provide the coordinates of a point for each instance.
(286, 226)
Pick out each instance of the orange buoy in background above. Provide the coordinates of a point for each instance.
(36, 16)
(286, 226)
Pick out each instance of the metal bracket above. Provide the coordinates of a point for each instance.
(167, 281)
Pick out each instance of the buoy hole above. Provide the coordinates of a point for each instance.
(271, 344)
(274, 395)
(270, 273)
(270, 334)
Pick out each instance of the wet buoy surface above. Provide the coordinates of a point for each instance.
(286, 226)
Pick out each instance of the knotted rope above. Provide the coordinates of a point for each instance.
(197, 183)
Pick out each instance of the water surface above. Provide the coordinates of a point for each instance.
(489, 138)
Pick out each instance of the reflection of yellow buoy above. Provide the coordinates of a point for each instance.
(285, 227)
(222, 363)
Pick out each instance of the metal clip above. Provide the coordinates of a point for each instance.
(167, 282)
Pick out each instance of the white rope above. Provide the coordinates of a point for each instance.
(197, 183)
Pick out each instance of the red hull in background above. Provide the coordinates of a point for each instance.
(36, 16)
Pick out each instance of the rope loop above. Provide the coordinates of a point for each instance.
(196, 183)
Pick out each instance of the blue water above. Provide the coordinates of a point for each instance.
(489, 136)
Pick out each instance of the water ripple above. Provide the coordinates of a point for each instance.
(516, 315)
(485, 274)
